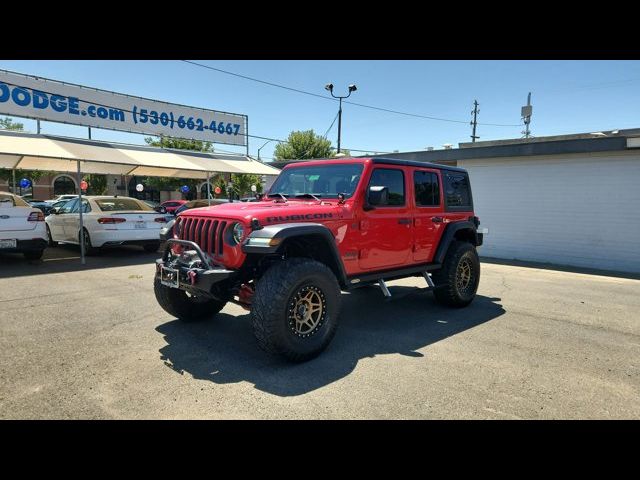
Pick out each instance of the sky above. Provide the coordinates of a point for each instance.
(567, 97)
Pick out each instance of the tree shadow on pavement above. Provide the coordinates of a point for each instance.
(223, 350)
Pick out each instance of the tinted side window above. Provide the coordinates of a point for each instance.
(69, 206)
(427, 188)
(456, 190)
(386, 187)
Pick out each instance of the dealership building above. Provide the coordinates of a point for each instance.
(569, 200)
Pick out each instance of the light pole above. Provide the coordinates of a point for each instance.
(329, 87)
(268, 141)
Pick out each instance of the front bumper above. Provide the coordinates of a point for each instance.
(191, 270)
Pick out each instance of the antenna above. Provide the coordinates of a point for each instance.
(474, 122)
(525, 113)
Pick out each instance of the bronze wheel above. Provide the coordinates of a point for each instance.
(463, 275)
(306, 311)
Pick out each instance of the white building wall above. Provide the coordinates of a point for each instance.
(576, 209)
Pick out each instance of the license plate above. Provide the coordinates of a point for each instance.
(10, 243)
(140, 225)
(169, 277)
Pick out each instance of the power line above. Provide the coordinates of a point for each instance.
(331, 126)
(284, 87)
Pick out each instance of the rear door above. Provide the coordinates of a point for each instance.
(386, 229)
(72, 220)
(428, 220)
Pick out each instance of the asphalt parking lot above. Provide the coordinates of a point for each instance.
(91, 342)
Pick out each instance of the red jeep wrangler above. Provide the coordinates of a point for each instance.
(325, 226)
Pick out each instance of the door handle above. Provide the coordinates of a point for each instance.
(404, 221)
(436, 219)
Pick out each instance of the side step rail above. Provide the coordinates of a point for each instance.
(385, 290)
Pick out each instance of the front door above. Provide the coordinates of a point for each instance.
(56, 224)
(386, 227)
(428, 218)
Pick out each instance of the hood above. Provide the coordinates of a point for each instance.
(269, 212)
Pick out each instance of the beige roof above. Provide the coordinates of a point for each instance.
(60, 154)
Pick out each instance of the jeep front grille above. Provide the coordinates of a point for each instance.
(206, 232)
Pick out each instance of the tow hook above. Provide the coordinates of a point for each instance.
(192, 276)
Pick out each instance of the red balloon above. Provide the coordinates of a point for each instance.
(84, 185)
(218, 190)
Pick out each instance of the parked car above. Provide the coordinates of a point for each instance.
(172, 205)
(108, 221)
(62, 197)
(43, 206)
(167, 231)
(22, 227)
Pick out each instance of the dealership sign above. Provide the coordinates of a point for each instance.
(41, 99)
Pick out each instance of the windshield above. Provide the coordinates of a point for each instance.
(119, 204)
(322, 181)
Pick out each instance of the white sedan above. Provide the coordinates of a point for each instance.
(107, 221)
(21, 227)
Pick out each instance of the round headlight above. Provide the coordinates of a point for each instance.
(238, 232)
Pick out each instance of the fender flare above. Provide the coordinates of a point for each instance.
(271, 238)
(449, 236)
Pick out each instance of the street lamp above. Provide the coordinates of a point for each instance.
(269, 141)
(329, 87)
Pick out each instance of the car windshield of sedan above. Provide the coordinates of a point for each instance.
(120, 204)
(322, 181)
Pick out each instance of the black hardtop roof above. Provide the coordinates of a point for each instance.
(414, 163)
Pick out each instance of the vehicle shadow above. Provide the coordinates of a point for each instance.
(223, 350)
(66, 258)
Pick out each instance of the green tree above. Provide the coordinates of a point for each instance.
(302, 145)
(97, 184)
(168, 183)
(8, 124)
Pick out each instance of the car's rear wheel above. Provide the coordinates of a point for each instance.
(183, 306)
(151, 247)
(89, 249)
(457, 281)
(33, 254)
(295, 309)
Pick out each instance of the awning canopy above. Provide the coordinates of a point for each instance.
(60, 154)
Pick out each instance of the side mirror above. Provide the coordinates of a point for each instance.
(161, 209)
(54, 211)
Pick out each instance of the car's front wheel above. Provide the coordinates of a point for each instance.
(457, 281)
(295, 309)
(183, 306)
(51, 242)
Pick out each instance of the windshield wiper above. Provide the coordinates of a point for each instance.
(277, 195)
(307, 195)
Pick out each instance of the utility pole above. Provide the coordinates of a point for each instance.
(474, 122)
(526, 112)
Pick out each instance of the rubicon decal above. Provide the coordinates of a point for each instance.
(308, 216)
